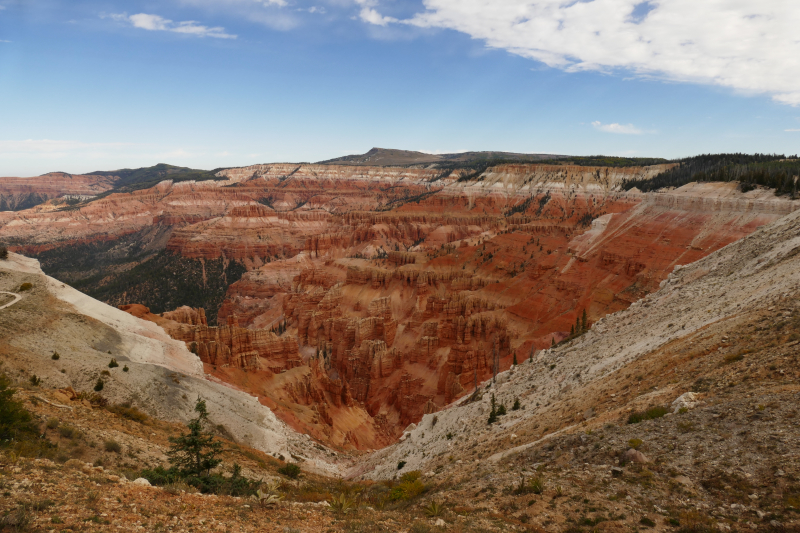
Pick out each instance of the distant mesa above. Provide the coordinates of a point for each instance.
(392, 157)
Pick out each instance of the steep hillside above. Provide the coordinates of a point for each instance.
(156, 374)
(17, 194)
(716, 348)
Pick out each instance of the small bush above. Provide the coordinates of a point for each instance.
(53, 423)
(410, 487)
(125, 368)
(635, 443)
(647, 522)
(400, 465)
(35, 380)
(125, 410)
(68, 432)
(99, 385)
(3, 253)
(290, 470)
(112, 446)
(55, 356)
(25, 287)
(113, 363)
(650, 414)
(516, 405)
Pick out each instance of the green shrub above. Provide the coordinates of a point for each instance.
(635, 443)
(99, 385)
(125, 368)
(52, 423)
(25, 287)
(35, 380)
(516, 405)
(55, 356)
(112, 446)
(647, 522)
(113, 363)
(650, 414)
(410, 487)
(16, 423)
(290, 470)
(68, 432)
(400, 465)
(3, 252)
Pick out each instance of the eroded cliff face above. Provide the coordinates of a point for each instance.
(401, 288)
(23, 193)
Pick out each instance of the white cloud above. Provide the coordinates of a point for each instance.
(747, 45)
(793, 129)
(627, 129)
(371, 16)
(2, 41)
(149, 22)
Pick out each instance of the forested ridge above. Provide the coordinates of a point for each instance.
(775, 171)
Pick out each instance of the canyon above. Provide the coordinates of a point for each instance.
(358, 299)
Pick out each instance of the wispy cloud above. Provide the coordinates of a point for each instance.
(793, 129)
(3, 41)
(626, 129)
(150, 22)
(747, 45)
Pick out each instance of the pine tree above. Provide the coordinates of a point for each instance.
(583, 322)
(552, 342)
(501, 410)
(493, 412)
(572, 331)
(195, 453)
(516, 405)
(515, 359)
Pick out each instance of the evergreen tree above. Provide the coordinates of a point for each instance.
(583, 322)
(15, 420)
(493, 412)
(531, 356)
(516, 405)
(515, 359)
(572, 331)
(195, 453)
(501, 410)
(552, 342)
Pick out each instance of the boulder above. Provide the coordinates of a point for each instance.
(141, 482)
(634, 456)
(687, 400)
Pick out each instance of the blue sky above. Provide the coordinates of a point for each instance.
(94, 85)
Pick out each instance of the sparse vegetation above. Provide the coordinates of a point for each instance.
(649, 414)
(113, 364)
(112, 446)
(25, 287)
(98, 386)
(290, 470)
(3, 253)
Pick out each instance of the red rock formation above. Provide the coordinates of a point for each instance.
(21, 193)
(399, 289)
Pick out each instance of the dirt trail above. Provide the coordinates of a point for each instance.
(17, 298)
